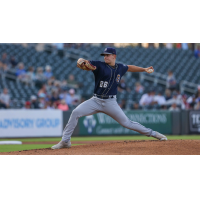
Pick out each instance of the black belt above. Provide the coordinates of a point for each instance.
(104, 97)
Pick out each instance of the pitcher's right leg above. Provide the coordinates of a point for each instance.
(88, 107)
(113, 110)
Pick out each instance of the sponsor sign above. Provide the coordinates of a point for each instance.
(194, 121)
(30, 123)
(102, 124)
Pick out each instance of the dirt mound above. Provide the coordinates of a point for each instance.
(148, 147)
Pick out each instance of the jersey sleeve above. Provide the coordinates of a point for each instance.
(96, 64)
(124, 69)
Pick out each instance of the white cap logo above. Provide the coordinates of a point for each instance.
(106, 49)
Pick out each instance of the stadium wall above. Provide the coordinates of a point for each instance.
(50, 123)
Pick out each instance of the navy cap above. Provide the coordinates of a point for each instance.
(109, 50)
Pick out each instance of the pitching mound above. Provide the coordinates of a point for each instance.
(147, 147)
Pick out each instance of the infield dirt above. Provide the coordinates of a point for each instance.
(136, 147)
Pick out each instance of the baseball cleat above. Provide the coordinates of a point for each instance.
(61, 145)
(160, 136)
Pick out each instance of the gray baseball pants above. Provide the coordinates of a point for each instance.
(107, 106)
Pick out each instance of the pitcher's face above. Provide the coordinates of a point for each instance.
(109, 58)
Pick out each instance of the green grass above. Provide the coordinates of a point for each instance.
(105, 138)
(9, 148)
(109, 138)
(33, 139)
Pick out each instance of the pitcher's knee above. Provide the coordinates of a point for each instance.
(76, 113)
(125, 123)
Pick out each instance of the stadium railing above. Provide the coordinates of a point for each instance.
(188, 87)
(154, 77)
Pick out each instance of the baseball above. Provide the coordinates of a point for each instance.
(150, 70)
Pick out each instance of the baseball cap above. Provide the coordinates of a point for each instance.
(109, 50)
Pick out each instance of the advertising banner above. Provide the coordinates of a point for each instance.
(30, 123)
(102, 124)
(194, 121)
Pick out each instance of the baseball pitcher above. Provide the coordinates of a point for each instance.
(107, 77)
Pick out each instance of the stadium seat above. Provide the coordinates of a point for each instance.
(163, 60)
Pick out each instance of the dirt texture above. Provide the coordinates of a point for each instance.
(142, 147)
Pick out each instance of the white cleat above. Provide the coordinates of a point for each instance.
(160, 136)
(61, 145)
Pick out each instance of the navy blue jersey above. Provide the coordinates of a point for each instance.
(107, 78)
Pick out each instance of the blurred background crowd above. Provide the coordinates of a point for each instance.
(45, 76)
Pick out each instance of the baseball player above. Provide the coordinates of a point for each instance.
(107, 77)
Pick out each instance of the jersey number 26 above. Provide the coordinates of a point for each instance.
(104, 84)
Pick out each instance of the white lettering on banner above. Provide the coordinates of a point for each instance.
(149, 118)
(140, 118)
(120, 130)
(100, 117)
(195, 118)
(31, 123)
(194, 121)
(101, 130)
(105, 119)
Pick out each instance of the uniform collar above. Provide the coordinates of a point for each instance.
(113, 67)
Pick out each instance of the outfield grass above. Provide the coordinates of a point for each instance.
(104, 138)
(9, 148)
